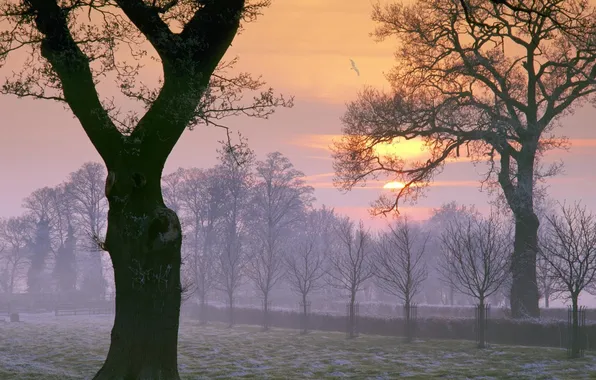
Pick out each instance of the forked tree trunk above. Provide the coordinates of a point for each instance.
(144, 240)
(524, 289)
(144, 236)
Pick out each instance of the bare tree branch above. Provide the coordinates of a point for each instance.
(476, 253)
(399, 266)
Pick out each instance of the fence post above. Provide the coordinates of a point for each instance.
(266, 306)
(481, 318)
(352, 312)
(304, 311)
(410, 321)
(576, 339)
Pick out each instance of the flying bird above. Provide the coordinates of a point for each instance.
(354, 67)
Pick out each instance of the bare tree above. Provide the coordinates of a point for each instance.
(17, 234)
(544, 278)
(438, 223)
(569, 248)
(41, 208)
(72, 46)
(457, 87)
(544, 207)
(86, 189)
(62, 215)
(64, 239)
(476, 258)
(202, 204)
(469, 7)
(236, 177)
(280, 196)
(399, 265)
(306, 258)
(350, 263)
(172, 189)
(65, 268)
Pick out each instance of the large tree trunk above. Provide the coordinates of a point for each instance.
(144, 240)
(524, 289)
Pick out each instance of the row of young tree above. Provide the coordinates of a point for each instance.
(477, 257)
(72, 46)
(474, 258)
(255, 221)
(492, 82)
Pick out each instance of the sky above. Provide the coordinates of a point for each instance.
(301, 48)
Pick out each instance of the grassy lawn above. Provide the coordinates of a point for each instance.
(73, 347)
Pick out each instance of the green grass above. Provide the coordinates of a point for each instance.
(74, 347)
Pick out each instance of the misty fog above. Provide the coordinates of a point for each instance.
(232, 205)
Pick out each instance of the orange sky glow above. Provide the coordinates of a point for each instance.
(301, 48)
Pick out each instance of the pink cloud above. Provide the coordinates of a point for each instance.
(324, 141)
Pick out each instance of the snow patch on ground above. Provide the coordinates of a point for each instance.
(74, 347)
(341, 362)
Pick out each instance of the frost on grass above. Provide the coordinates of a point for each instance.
(74, 347)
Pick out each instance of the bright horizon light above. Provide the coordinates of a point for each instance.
(393, 185)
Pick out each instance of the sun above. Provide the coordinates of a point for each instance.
(393, 185)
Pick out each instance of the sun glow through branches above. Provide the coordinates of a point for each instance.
(393, 185)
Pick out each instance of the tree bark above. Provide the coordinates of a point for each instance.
(144, 240)
(265, 311)
(575, 337)
(524, 288)
(203, 312)
(304, 315)
(352, 317)
(408, 325)
(231, 309)
(144, 236)
(481, 324)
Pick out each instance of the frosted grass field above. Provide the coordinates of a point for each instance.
(73, 347)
